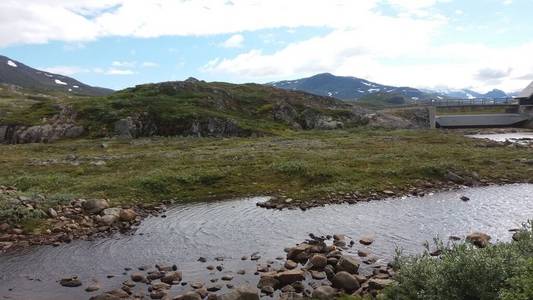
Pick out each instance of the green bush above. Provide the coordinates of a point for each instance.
(501, 271)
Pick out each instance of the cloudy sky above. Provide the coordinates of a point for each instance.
(479, 44)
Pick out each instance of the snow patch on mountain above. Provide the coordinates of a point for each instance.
(57, 81)
(11, 64)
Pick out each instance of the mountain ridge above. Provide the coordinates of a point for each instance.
(17, 73)
(350, 88)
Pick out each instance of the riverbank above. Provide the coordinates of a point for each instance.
(304, 169)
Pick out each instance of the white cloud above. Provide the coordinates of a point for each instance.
(235, 41)
(40, 21)
(115, 71)
(124, 64)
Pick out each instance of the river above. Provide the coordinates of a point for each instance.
(234, 228)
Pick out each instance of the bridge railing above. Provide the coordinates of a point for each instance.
(472, 102)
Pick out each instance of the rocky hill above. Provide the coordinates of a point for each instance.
(13, 72)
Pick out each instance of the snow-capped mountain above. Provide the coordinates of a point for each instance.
(345, 88)
(17, 73)
(468, 94)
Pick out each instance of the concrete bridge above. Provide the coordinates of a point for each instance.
(464, 113)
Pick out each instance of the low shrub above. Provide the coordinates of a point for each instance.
(501, 271)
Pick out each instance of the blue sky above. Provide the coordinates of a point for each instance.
(421, 43)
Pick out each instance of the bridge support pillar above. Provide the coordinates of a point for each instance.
(432, 111)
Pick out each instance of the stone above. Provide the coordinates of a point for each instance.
(52, 213)
(363, 253)
(214, 288)
(379, 284)
(158, 294)
(93, 287)
(73, 281)
(127, 215)
(345, 281)
(324, 293)
(318, 261)
(267, 281)
(172, 277)
(95, 206)
(289, 264)
(348, 264)
(367, 240)
(138, 277)
(291, 276)
(227, 277)
(241, 272)
(105, 296)
(245, 292)
(465, 198)
(160, 286)
(114, 211)
(318, 275)
(107, 220)
(189, 296)
(478, 239)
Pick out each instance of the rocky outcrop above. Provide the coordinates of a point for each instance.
(17, 134)
(146, 126)
(61, 126)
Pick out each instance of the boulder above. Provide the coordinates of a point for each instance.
(127, 215)
(290, 276)
(367, 240)
(318, 262)
(289, 265)
(478, 239)
(345, 281)
(324, 293)
(267, 281)
(107, 220)
(172, 277)
(113, 211)
(95, 206)
(189, 296)
(241, 293)
(379, 284)
(348, 264)
(138, 277)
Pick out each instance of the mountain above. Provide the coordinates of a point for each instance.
(468, 94)
(346, 88)
(16, 73)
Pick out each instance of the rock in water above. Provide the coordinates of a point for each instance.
(171, 277)
(367, 240)
(343, 280)
(479, 239)
(318, 262)
(465, 198)
(348, 264)
(241, 293)
(291, 276)
(324, 293)
(189, 296)
(73, 281)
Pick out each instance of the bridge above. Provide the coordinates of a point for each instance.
(505, 112)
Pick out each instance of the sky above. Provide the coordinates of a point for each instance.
(437, 44)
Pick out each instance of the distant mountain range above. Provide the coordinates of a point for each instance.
(19, 74)
(353, 88)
